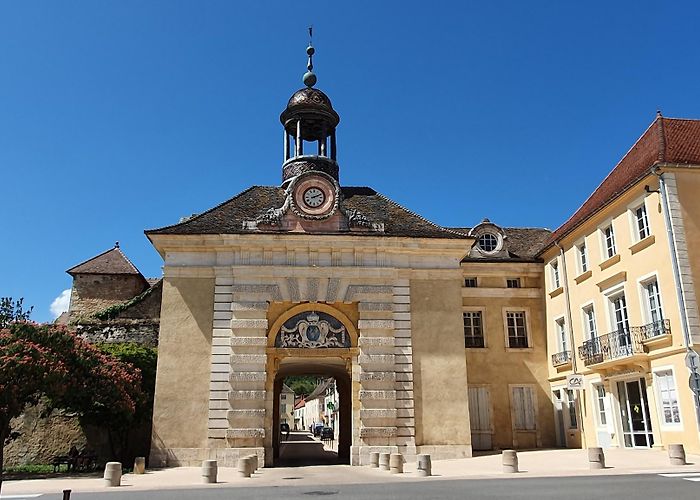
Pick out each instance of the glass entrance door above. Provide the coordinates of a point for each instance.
(634, 412)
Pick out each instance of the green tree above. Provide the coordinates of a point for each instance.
(50, 361)
(13, 311)
(144, 359)
(302, 385)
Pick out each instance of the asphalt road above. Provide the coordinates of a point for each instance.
(569, 488)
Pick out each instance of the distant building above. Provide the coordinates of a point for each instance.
(111, 301)
(287, 406)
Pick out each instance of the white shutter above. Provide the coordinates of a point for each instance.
(479, 409)
(524, 408)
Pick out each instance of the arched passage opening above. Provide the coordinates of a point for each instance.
(302, 446)
(313, 340)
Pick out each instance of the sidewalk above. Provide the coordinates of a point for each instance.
(538, 463)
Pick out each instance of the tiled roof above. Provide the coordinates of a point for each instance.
(113, 261)
(229, 217)
(667, 140)
(522, 243)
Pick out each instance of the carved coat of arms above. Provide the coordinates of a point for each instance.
(312, 330)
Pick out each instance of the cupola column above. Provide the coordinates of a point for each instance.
(286, 145)
(333, 148)
(300, 141)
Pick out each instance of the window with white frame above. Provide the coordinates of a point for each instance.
(524, 410)
(556, 283)
(561, 335)
(517, 329)
(652, 299)
(571, 405)
(589, 321)
(641, 222)
(473, 329)
(582, 257)
(668, 397)
(618, 310)
(609, 241)
(600, 398)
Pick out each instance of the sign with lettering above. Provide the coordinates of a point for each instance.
(574, 382)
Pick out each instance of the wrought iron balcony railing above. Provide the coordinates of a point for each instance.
(561, 358)
(619, 344)
(654, 329)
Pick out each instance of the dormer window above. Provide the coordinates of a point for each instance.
(488, 242)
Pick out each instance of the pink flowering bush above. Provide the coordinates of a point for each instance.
(50, 361)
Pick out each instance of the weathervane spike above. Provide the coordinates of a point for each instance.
(309, 77)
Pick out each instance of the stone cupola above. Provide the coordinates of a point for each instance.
(309, 117)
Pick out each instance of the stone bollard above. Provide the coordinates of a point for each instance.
(244, 467)
(374, 459)
(424, 467)
(209, 471)
(253, 463)
(140, 465)
(596, 458)
(676, 453)
(113, 474)
(396, 463)
(510, 461)
(384, 461)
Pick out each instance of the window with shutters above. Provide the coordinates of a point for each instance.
(480, 417)
(524, 408)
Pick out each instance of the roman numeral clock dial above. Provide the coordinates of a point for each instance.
(314, 197)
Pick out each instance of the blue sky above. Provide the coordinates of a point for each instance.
(120, 116)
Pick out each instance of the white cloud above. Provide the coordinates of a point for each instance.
(60, 304)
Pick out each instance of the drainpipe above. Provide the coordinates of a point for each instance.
(567, 305)
(656, 170)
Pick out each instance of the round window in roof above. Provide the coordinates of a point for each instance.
(488, 242)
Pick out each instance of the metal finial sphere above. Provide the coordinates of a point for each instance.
(309, 79)
(310, 50)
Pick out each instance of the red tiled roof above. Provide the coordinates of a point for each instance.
(113, 261)
(667, 140)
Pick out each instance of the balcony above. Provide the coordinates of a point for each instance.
(561, 358)
(621, 344)
(654, 330)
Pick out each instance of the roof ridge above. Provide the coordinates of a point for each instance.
(610, 173)
(661, 156)
(443, 228)
(127, 260)
(102, 254)
(183, 223)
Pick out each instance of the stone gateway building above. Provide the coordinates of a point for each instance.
(440, 340)
(315, 277)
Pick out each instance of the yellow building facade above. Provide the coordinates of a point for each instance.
(621, 282)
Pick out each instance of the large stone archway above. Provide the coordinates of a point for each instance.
(376, 364)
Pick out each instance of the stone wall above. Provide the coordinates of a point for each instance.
(139, 331)
(93, 292)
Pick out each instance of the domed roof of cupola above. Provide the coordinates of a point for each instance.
(310, 97)
(308, 102)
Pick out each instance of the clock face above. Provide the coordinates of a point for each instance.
(314, 197)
